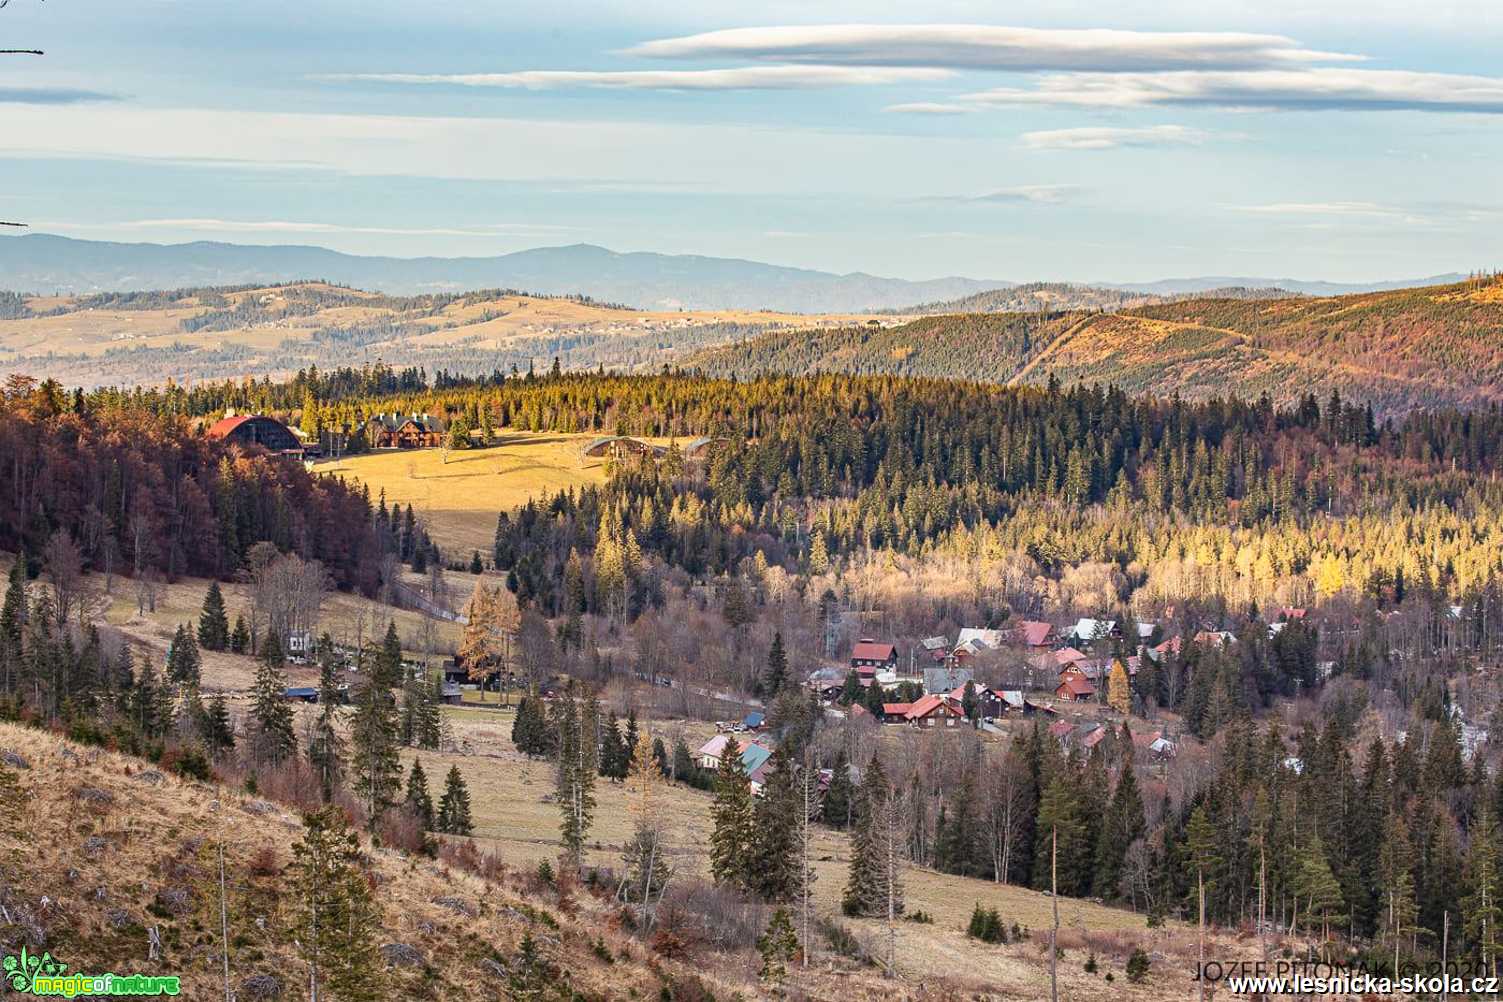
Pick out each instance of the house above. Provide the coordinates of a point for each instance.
(989, 701)
(1013, 701)
(1154, 743)
(1066, 656)
(1215, 638)
(1061, 730)
(869, 653)
(973, 639)
(709, 753)
(1032, 634)
(754, 720)
(301, 694)
(246, 429)
(1074, 687)
(934, 711)
(1096, 735)
(1171, 646)
(938, 648)
(1087, 630)
(945, 679)
(301, 643)
(399, 431)
(451, 694)
(895, 713)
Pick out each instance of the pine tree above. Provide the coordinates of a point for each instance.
(1062, 832)
(337, 916)
(374, 734)
(213, 624)
(326, 746)
(613, 753)
(219, 731)
(732, 815)
(454, 805)
(776, 675)
(419, 801)
(574, 725)
(772, 856)
(840, 794)
(271, 718)
(1481, 909)
(183, 662)
(387, 670)
(872, 882)
(778, 947)
(240, 638)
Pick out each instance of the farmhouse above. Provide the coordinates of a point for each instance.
(1074, 687)
(1032, 634)
(869, 653)
(619, 446)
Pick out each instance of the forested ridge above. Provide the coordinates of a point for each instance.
(1398, 350)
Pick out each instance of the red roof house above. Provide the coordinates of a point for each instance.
(870, 654)
(1075, 687)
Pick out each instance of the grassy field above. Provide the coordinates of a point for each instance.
(460, 498)
(515, 816)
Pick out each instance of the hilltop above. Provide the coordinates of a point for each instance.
(1398, 350)
(203, 333)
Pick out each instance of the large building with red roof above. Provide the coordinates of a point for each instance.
(249, 429)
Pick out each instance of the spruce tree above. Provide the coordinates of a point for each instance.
(865, 889)
(773, 870)
(387, 670)
(12, 622)
(840, 794)
(574, 725)
(613, 754)
(219, 731)
(778, 947)
(183, 663)
(419, 801)
(271, 717)
(776, 675)
(240, 638)
(326, 746)
(454, 805)
(337, 916)
(733, 819)
(1481, 909)
(374, 764)
(213, 624)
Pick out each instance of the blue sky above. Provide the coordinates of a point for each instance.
(1120, 142)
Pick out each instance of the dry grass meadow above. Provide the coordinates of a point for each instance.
(461, 495)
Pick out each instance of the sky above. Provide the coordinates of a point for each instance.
(1328, 139)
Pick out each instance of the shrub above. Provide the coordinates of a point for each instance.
(1090, 962)
(921, 917)
(264, 862)
(718, 916)
(1137, 966)
(843, 941)
(986, 925)
(400, 828)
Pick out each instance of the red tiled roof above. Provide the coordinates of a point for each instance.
(1034, 633)
(1175, 644)
(1060, 728)
(928, 704)
(1093, 739)
(1076, 685)
(223, 427)
(870, 650)
(1065, 655)
(896, 709)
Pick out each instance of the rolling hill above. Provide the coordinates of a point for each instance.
(1400, 349)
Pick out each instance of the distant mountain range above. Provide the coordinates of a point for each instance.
(44, 263)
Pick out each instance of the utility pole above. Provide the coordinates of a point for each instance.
(1200, 973)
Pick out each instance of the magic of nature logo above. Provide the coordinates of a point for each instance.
(33, 975)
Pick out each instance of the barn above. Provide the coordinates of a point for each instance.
(266, 432)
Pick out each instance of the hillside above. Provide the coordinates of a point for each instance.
(46, 263)
(1045, 297)
(205, 333)
(1398, 350)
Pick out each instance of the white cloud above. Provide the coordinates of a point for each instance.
(735, 78)
(1107, 137)
(928, 108)
(1321, 209)
(1309, 89)
(993, 47)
